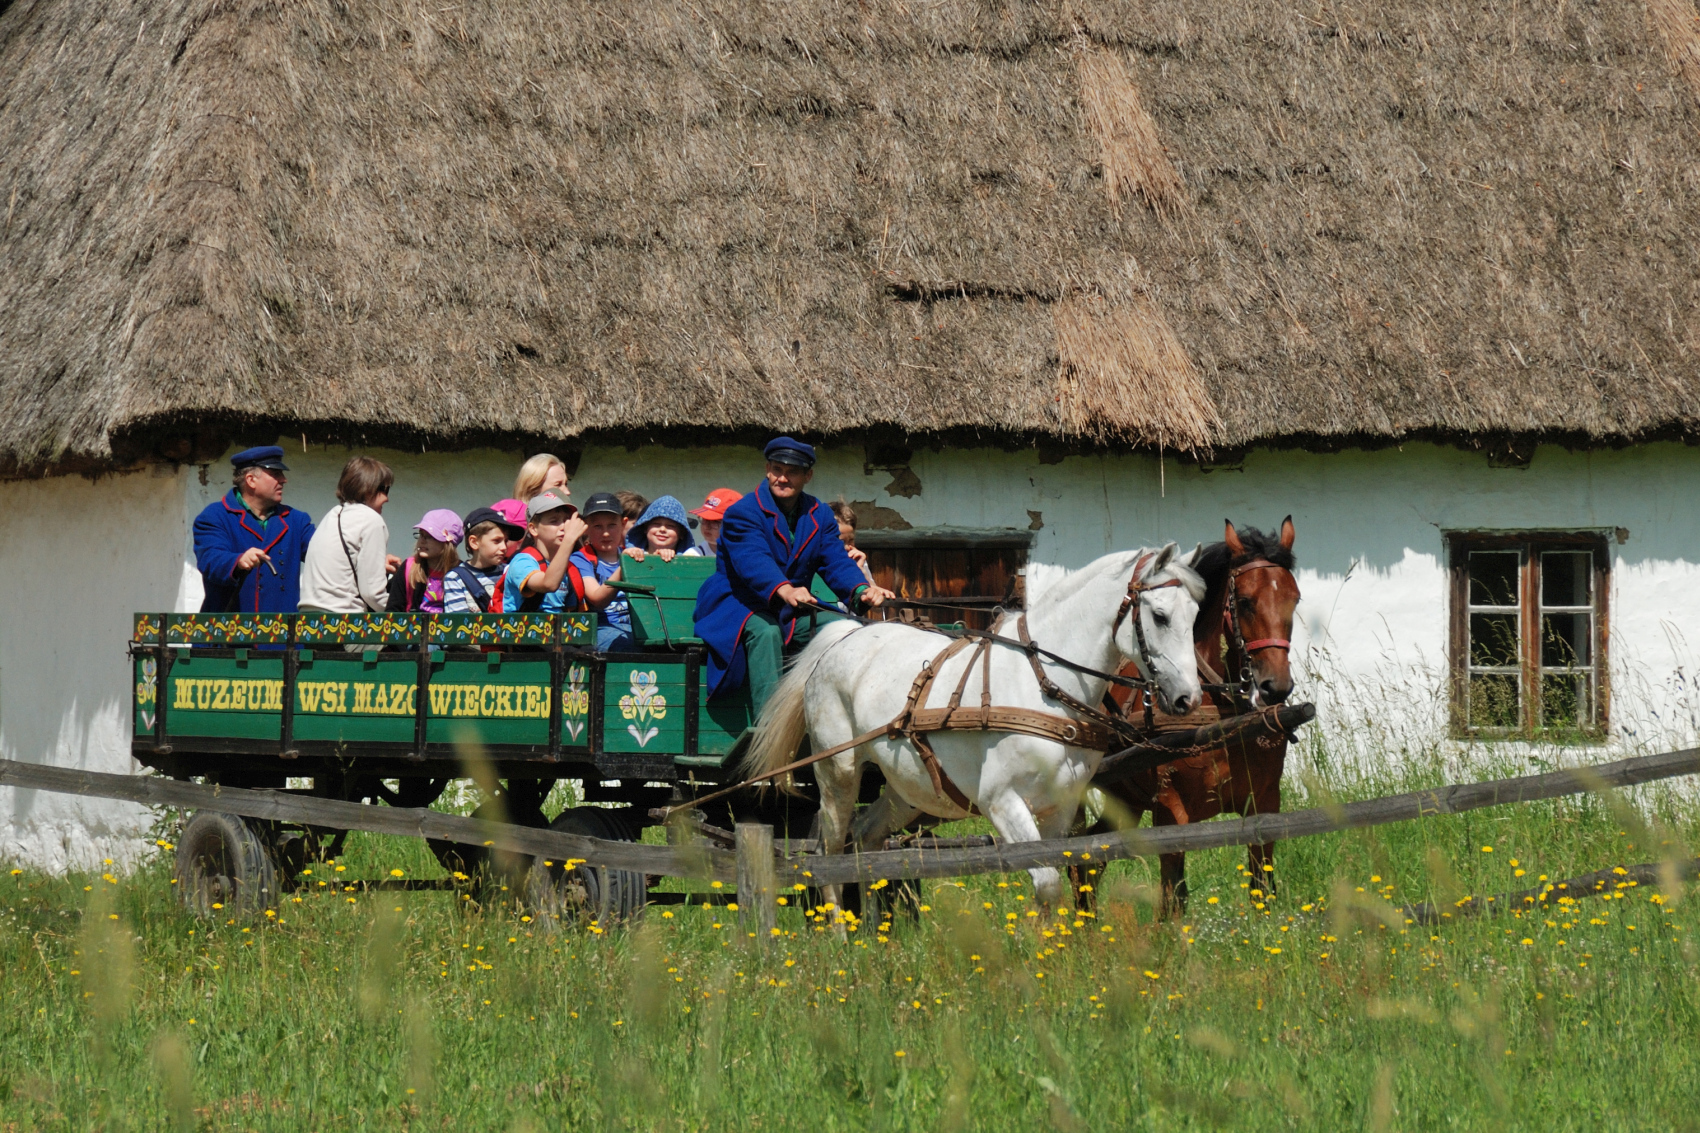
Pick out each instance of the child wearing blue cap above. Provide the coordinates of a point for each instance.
(663, 530)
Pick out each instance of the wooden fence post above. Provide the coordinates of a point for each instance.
(757, 886)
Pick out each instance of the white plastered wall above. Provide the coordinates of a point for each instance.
(1370, 643)
(77, 557)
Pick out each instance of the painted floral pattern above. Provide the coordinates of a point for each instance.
(643, 705)
(223, 629)
(575, 704)
(355, 629)
(147, 691)
(464, 630)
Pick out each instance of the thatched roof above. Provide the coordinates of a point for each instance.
(1168, 222)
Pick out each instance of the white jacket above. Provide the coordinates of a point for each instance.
(351, 538)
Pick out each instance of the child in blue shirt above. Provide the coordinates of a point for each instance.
(541, 568)
(542, 577)
(599, 562)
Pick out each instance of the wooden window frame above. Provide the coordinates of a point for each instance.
(1528, 544)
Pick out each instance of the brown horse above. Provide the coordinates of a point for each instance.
(1242, 633)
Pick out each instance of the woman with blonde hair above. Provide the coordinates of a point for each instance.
(539, 474)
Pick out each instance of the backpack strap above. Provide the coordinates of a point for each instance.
(531, 603)
(474, 586)
(577, 580)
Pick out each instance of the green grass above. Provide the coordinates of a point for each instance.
(402, 1010)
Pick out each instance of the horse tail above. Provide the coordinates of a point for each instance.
(780, 731)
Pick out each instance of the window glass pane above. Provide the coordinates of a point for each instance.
(1494, 701)
(1493, 640)
(1566, 640)
(1564, 700)
(1493, 578)
(1566, 577)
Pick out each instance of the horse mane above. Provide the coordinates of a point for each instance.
(1119, 561)
(1189, 577)
(1215, 561)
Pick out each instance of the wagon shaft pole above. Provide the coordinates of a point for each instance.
(757, 885)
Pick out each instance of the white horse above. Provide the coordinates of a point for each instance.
(853, 678)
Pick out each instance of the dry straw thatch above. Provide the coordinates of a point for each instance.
(1128, 358)
(1133, 157)
(1678, 25)
(826, 215)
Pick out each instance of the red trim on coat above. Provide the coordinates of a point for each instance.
(800, 547)
(282, 517)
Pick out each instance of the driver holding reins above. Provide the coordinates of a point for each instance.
(772, 544)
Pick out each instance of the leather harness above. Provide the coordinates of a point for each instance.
(1100, 730)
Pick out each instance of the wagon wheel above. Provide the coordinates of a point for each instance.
(295, 847)
(560, 896)
(488, 870)
(225, 861)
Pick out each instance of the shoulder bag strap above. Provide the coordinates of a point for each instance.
(352, 568)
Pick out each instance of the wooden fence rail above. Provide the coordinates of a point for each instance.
(290, 806)
(704, 862)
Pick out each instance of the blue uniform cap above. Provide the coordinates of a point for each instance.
(788, 450)
(264, 456)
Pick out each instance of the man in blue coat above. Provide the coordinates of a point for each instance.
(772, 544)
(249, 545)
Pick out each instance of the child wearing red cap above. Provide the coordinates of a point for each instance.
(709, 516)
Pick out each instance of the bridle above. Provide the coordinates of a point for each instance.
(1130, 605)
(1231, 622)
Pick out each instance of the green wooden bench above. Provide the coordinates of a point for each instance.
(664, 599)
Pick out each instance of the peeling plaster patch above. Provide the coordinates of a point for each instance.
(904, 483)
(873, 517)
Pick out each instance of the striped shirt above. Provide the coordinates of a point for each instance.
(458, 600)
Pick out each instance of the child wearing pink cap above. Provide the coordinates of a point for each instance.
(418, 587)
(514, 522)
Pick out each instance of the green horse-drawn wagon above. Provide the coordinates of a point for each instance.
(393, 708)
